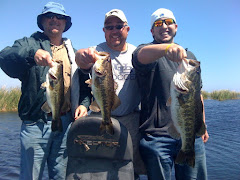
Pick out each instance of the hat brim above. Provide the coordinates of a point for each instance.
(68, 21)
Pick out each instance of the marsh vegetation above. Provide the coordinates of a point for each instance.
(9, 97)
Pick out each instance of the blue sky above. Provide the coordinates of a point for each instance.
(208, 28)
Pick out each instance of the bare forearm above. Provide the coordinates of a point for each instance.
(151, 53)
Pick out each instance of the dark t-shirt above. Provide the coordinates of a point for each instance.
(154, 81)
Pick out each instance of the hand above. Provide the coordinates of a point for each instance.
(85, 58)
(205, 137)
(176, 53)
(81, 111)
(43, 58)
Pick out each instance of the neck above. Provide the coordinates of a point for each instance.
(56, 42)
(55, 39)
(119, 48)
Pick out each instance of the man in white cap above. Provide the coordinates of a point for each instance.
(116, 30)
(29, 60)
(155, 65)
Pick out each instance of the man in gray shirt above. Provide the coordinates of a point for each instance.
(116, 31)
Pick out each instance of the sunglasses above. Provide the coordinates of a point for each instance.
(118, 27)
(52, 15)
(159, 23)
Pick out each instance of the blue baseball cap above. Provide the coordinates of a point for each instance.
(56, 8)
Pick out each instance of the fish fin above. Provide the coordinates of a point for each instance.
(115, 86)
(169, 101)
(89, 82)
(94, 107)
(201, 129)
(106, 127)
(200, 126)
(57, 125)
(44, 85)
(116, 103)
(188, 157)
(46, 108)
(173, 132)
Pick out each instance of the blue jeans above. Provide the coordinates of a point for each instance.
(39, 145)
(159, 153)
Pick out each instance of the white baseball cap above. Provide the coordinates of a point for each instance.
(162, 13)
(117, 13)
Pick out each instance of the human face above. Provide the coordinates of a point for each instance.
(116, 38)
(53, 26)
(164, 33)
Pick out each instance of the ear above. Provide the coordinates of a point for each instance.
(176, 26)
(152, 31)
(103, 29)
(128, 28)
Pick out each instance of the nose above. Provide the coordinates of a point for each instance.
(164, 25)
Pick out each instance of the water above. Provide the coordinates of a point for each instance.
(223, 147)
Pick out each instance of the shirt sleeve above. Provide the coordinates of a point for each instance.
(141, 68)
(16, 60)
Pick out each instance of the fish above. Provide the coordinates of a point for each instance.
(55, 94)
(103, 90)
(186, 109)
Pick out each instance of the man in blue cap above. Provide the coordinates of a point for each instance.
(29, 60)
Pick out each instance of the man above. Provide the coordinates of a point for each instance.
(116, 31)
(29, 60)
(154, 73)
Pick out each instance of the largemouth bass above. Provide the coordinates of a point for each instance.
(103, 90)
(186, 109)
(55, 94)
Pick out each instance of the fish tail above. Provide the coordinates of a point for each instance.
(54, 125)
(106, 127)
(57, 125)
(188, 157)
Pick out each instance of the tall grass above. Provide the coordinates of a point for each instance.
(9, 99)
(224, 95)
(205, 94)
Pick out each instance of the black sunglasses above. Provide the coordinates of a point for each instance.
(118, 27)
(52, 15)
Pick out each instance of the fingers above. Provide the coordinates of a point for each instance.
(85, 58)
(43, 58)
(81, 111)
(176, 53)
(205, 137)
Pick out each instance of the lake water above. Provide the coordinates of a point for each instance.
(223, 147)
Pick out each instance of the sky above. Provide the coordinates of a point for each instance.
(208, 28)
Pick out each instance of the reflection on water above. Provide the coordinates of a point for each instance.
(223, 124)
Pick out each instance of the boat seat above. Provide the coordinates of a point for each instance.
(96, 156)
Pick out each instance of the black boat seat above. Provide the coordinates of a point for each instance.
(96, 156)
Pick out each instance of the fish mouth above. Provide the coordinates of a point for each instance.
(98, 73)
(52, 76)
(182, 91)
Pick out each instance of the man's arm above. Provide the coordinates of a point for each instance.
(150, 53)
(205, 137)
(85, 58)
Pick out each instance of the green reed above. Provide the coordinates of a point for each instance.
(205, 94)
(9, 99)
(222, 95)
